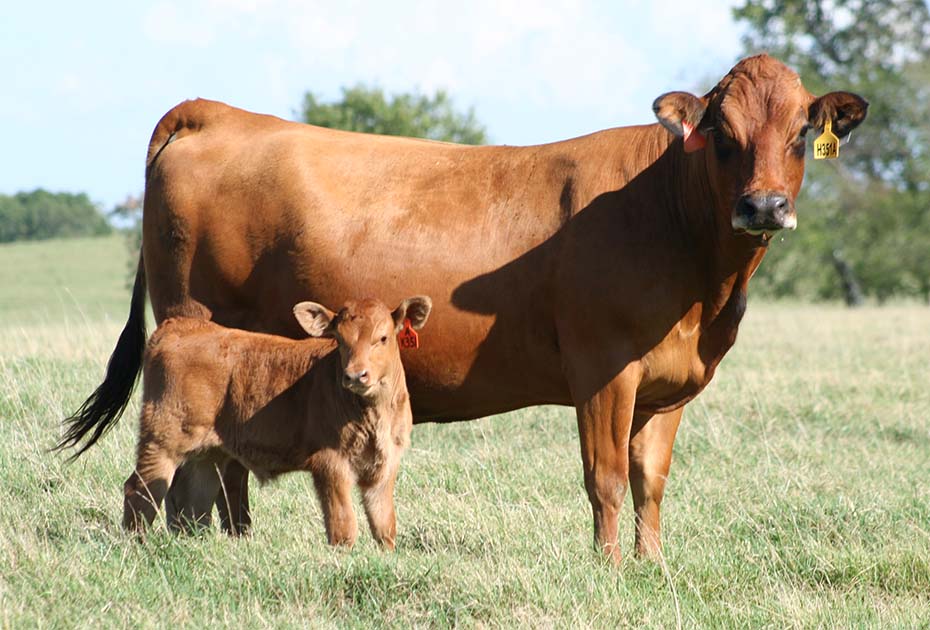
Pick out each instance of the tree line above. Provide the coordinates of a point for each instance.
(40, 214)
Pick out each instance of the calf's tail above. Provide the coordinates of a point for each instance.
(103, 408)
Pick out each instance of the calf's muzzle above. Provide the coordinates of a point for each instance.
(356, 380)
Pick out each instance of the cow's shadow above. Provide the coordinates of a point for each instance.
(642, 255)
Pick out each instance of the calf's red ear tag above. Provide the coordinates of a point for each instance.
(408, 337)
(694, 139)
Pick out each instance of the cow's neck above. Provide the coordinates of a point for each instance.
(721, 311)
(727, 260)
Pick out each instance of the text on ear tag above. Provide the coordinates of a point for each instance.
(827, 146)
(408, 337)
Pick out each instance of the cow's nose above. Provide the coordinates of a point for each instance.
(765, 211)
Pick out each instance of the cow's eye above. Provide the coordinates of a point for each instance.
(799, 145)
(384, 339)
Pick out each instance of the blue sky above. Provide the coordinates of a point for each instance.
(84, 87)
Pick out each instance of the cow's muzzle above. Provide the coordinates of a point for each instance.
(358, 382)
(764, 213)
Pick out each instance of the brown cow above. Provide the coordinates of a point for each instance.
(608, 272)
(278, 405)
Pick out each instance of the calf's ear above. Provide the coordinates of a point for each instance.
(416, 309)
(681, 113)
(315, 318)
(845, 109)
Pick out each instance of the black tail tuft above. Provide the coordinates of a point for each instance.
(104, 407)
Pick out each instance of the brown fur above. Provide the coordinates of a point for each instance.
(276, 405)
(608, 272)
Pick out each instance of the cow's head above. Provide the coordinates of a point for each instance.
(751, 130)
(366, 331)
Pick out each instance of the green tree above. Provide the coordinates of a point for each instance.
(369, 110)
(41, 215)
(871, 208)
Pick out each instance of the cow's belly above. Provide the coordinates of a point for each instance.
(662, 395)
(674, 373)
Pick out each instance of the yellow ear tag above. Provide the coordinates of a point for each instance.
(827, 146)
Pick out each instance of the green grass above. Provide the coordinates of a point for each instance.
(48, 281)
(799, 495)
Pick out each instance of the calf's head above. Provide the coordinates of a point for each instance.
(751, 131)
(366, 331)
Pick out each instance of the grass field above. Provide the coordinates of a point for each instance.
(799, 495)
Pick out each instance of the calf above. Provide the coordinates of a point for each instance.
(276, 405)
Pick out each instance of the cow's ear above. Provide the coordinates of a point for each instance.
(845, 109)
(315, 318)
(681, 113)
(416, 309)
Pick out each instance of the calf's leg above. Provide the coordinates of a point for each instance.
(334, 488)
(378, 500)
(650, 457)
(232, 500)
(146, 486)
(189, 504)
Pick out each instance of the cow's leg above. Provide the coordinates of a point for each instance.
(189, 505)
(650, 457)
(378, 500)
(232, 501)
(334, 489)
(147, 486)
(604, 420)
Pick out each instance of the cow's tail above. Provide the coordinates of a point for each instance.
(182, 119)
(103, 408)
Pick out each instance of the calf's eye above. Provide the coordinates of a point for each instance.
(384, 339)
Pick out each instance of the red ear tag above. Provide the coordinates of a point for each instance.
(408, 337)
(694, 139)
